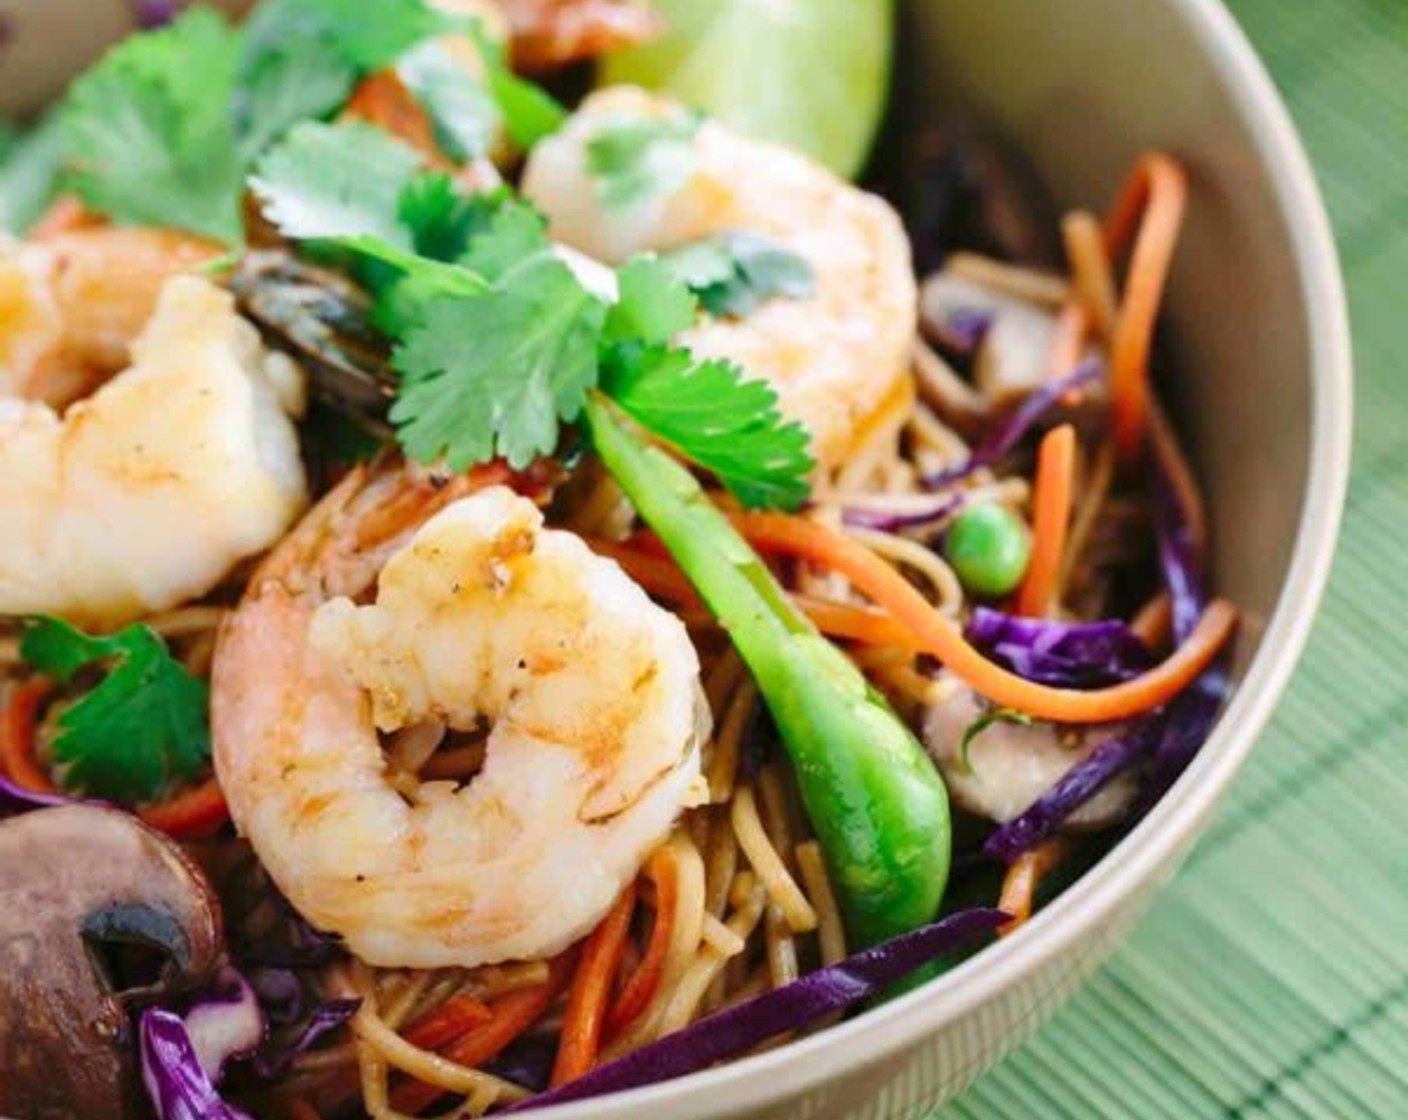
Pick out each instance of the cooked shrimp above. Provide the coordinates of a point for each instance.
(834, 358)
(591, 693)
(1011, 764)
(147, 493)
(70, 306)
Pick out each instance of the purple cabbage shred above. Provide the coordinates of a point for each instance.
(275, 1058)
(1074, 788)
(1022, 420)
(225, 1022)
(179, 1087)
(963, 330)
(738, 1029)
(1060, 654)
(893, 521)
(1174, 734)
(15, 799)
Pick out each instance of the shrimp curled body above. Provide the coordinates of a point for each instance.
(145, 494)
(837, 357)
(591, 693)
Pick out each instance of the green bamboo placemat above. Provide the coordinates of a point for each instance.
(1271, 979)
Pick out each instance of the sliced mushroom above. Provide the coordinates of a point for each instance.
(1012, 764)
(74, 880)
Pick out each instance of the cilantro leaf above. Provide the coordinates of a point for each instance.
(715, 417)
(302, 58)
(515, 233)
(142, 727)
(282, 83)
(29, 174)
(653, 305)
(371, 35)
(442, 221)
(638, 159)
(354, 188)
(736, 273)
(151, 133)
(329, 181)
(463, 111)
(530, 113)
(496, 374)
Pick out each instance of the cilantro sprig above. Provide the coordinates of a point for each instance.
(141, 728)
(499, 343)
(151, 133)
(498, 373)
(165, 128)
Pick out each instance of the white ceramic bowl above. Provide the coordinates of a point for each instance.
(1256, 318)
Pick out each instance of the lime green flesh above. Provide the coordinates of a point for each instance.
(812, 74)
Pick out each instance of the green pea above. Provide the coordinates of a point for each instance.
(989, 547)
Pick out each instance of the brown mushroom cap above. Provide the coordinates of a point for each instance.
(72, 878)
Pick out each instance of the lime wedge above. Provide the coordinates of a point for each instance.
(812, 74)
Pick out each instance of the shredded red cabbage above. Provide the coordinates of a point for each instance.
(1017, 425)
(1074, 788)
(1190, 716)
(1178, 555)
(740, 1028)
(1062, 654)
(892, 521)
(176, 1082)
(225, 1022)
(274, 1059)
(15, 799)
(962, 330)
(527, 1062)
(1174, 734)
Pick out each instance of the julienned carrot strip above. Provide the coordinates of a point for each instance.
(1153, 200)
(1024, 876)
(591, 988)
(942, 638)
(17, 736)
(1092, 277)
(857, 624)
(510, 1016)
(640, 988)
(1052, 492)
(1154, 622)
(662, 577)
(451, 1020)
(195, 812)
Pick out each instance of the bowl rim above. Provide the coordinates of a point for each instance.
(787, 1071)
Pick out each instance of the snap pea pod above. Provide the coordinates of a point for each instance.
(877, 804)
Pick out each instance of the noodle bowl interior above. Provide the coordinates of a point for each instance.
(535, 598)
